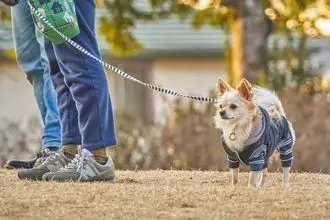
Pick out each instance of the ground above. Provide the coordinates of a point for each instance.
(166, 195)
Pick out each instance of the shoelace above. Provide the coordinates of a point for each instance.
(75, 163)
(43, 158)
(51, 155)
(78, 161)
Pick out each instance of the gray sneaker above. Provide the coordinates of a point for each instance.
(43, 156)
(51, 163)
(84, 168)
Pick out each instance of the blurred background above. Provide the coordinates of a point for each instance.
(187, 45)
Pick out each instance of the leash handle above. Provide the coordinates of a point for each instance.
(115, 69)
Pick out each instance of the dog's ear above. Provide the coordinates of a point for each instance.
(245, 89)
(222, 87)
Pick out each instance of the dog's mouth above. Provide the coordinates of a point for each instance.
(225, 117)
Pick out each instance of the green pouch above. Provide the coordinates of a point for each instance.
(61, 14)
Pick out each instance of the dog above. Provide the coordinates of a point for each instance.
(253, 125)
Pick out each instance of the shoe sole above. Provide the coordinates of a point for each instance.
(105, 176)
(80, 181)
(29, 177)
(9, 167)
(113, 180)
(19, 164)
(110, 179)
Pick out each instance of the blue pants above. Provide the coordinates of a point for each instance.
(31, 57)
(81, 84)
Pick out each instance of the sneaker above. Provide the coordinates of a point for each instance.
(25, 164)
(44, 155)
(84, 168)
(52, 162)
(40, 160)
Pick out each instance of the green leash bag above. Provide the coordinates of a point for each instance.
(61, 14)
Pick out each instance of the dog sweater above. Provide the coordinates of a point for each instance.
(259, 147)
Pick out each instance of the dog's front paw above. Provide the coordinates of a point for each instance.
(285, 185)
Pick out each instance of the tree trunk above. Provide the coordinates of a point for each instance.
(249, 28)
(256, 31)
(237, 47)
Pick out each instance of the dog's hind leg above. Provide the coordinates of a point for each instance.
(285, 180)
(234, 176)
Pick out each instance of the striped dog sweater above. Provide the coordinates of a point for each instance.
(259, 147)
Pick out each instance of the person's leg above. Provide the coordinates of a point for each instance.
(52, 131)
(65, 102)
(56, 160)
(71, 136)
(31, 57)
(87, 82)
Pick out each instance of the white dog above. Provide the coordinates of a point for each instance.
(253, 125)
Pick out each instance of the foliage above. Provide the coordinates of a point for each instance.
(304, 17)
(122, 16)
(293, 15)
(4, 12)
(188, 139)
(289, 61)
(289, 56)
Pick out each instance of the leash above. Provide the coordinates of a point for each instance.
(115, 69)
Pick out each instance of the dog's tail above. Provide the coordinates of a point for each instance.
(267, 98)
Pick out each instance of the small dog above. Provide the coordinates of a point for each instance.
(253, 125)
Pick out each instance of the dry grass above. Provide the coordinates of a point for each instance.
(166, 195)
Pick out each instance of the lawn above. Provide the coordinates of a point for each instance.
(166, 195)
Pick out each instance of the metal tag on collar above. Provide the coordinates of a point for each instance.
(232, 136)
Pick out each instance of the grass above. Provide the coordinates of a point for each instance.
(166, 195)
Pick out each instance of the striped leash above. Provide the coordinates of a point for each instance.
(115, 69)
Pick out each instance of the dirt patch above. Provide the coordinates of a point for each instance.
(166, 195)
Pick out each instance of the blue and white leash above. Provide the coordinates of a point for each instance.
(115, 69)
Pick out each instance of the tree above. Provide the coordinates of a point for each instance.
(248, 22)
(250, 28)
(5, 30)
(117, 25)
(244, 56)
(295, 21)
(4, 16)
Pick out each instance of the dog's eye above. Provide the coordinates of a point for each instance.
(220, 106)
(233, 106)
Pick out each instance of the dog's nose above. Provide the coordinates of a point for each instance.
(222, 113)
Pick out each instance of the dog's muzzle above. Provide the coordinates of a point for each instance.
(223, 115)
